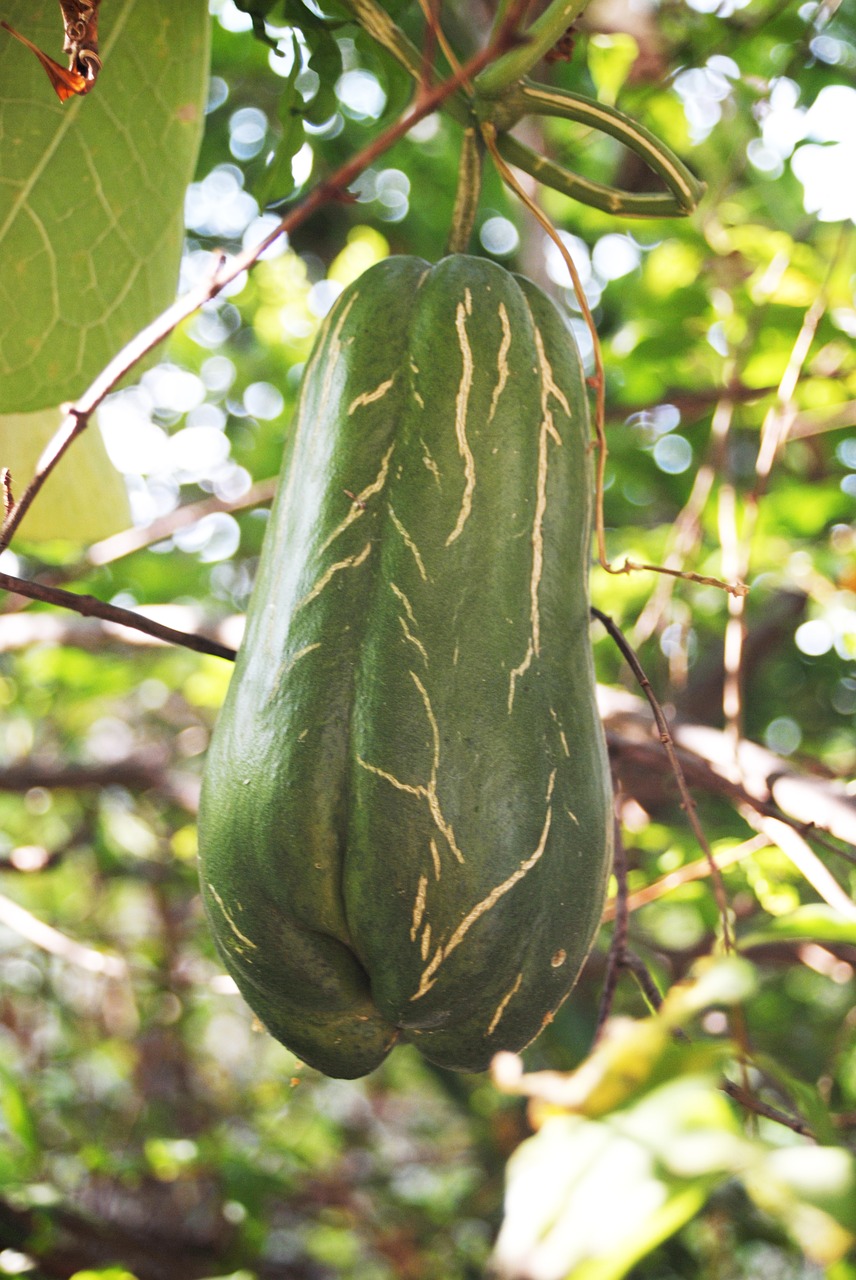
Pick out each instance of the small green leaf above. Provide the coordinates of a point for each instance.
(258, 11)
(589, 1198)
(610, 58)
(714, 982)
(815, 923)
(17, 1114)
(277, 181)
(108, 1273)
(812, 1192)
(326, 61)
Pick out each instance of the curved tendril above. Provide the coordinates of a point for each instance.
(627, 204)
(536, 99)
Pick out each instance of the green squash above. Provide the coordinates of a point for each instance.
(406, 822)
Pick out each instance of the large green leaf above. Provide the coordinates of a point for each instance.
(91, 226)
(91, 193)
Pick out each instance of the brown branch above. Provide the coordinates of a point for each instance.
(139, 537)
(147, 770)
(142, 536)
(77, 416)
(692, 871)
(667, 741)
(692, 404)
(759, 1108)
(789, 797)
(22, 629)
(90, 607)
(6, 486)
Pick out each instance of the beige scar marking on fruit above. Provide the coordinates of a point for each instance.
(435, 858)
(301, 653)
(443, 952)
(371, 397)
(562, 738)
(352, 562)
(410, 544)
(243, 940)
(547, 432)
(501, 360)
(429, 463)
(285, 667)
(408, 607)
(503, 1005)
(425, 791)
(425, 945)
(462, 310)
(444, 827)
(414, 369)
(414, 640)
(517, 672)
(409, 788)
(418, 907)
(411, 618)
(358, 506)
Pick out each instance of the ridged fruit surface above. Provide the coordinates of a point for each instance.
(406, 822)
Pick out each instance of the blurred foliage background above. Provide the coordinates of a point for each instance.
(147, 1128)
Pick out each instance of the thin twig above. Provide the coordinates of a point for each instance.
(141, 536)
(685, 537)
(90, 607)
(618, 944)
(620, 956)
(598, 383)
(687, 802)
(8, 496)
(802, 856)
(77, 416)
(44, 936)
(637, 966)
(759, 1108)
(684, 875)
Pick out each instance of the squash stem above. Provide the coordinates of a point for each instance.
(538, 40)
(470, 167)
